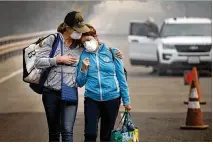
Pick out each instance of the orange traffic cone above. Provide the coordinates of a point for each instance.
(195, 78)
(194, 118)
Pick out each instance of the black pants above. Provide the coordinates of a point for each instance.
(93, 111)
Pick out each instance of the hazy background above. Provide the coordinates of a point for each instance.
(109, 17)
(157, 101)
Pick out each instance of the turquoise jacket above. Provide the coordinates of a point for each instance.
(105, 79)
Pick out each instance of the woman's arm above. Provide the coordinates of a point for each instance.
(119, 54)
(82, 72)
(119, 69)
(42, 57)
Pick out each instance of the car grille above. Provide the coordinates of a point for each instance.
(193, 48)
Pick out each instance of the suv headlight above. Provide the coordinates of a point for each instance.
(167, 46)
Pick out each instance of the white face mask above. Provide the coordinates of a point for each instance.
(76, 35)
(91, 45)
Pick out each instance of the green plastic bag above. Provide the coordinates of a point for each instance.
(128, 132)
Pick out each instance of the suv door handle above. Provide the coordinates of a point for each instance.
(135, 41)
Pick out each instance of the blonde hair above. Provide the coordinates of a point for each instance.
(62, 28)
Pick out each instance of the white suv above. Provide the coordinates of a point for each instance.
(181, 44)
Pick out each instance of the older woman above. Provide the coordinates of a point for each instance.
(105, 84)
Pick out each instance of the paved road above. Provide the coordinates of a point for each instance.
(157, 102)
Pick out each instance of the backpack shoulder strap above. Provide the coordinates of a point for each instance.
(54, 46)
(42, 38)
(113, 57)
(54, 39)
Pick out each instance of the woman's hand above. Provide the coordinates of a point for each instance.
(85, 65)
(66, 59)
(128, 107)
(119, 54)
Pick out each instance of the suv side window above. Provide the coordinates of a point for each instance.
(152, 28)
(138, 29)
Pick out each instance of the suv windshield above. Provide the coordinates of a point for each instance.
(186, 30)
(142, 29)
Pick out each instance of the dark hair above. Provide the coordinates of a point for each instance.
(61, 28)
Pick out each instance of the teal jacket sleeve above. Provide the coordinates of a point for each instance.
(81, 76)
(119, 69)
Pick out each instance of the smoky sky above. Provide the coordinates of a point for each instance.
(32, 16)
(19, 17)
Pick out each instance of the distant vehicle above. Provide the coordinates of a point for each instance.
(181, 44)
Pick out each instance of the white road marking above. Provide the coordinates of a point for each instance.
(10, 76)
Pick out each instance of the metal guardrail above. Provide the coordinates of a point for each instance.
(15, 38)
(13, 45)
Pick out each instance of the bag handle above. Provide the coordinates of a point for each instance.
(113, 57)
(126, 116)
(43, 38)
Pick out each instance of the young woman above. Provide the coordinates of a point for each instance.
(105, 84)
(60, 114)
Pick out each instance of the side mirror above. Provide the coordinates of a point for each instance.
(152, 35)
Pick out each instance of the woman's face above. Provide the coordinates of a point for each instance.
(86, 38)
(73, 33)
(91, 47)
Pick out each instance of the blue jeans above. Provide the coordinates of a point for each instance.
(60, 116)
